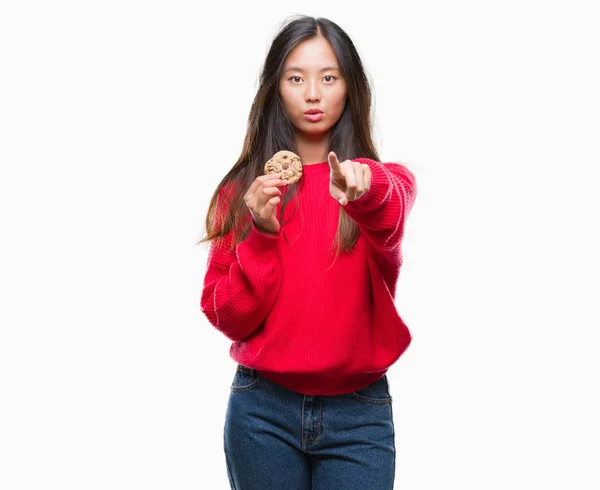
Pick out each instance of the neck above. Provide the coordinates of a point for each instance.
(312, 148)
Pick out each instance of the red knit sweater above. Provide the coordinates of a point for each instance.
(314, 327)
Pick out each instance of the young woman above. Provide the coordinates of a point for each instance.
(302, 277)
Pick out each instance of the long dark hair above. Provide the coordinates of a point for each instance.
(269, 131)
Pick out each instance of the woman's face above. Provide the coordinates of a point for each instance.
(312, 80)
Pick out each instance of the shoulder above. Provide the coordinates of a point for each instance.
(401, 170)
(228, 190)
(398, 169)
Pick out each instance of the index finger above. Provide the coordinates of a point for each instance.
(334, 163)
(267, 179)
(258, 180)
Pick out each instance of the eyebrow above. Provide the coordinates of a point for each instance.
(296, 68)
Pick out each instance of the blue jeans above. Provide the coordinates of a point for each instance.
(279, 439)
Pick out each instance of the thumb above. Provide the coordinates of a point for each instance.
(340, 196)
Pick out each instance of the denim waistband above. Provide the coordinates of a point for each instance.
(246, 370)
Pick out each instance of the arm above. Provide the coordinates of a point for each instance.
(241, 286)
(382, 211)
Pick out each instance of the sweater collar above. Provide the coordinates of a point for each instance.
(316, 165)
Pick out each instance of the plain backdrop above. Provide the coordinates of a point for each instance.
(119, 118)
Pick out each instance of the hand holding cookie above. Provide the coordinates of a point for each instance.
(347, 180)
(282, 168)
(262, 199)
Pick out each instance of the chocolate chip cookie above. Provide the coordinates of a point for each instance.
(287, 163)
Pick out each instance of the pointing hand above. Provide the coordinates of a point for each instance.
(348, 180)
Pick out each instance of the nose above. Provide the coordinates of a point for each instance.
(312, 91)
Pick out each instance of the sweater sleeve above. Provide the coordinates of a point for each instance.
(241, 286)
(382, 211)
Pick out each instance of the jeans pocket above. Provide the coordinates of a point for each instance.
(244, 379)
(376, 393)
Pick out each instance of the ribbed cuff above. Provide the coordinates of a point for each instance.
(260, 244)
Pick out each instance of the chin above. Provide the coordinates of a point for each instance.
(313, 128)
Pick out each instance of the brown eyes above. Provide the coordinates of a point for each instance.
(326, 76)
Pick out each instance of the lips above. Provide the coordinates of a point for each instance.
(313, 117)
(314, 111)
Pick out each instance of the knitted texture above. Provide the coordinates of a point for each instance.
(313, 325)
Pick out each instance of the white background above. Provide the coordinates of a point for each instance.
(119, 118)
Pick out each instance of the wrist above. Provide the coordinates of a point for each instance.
(265, 232)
